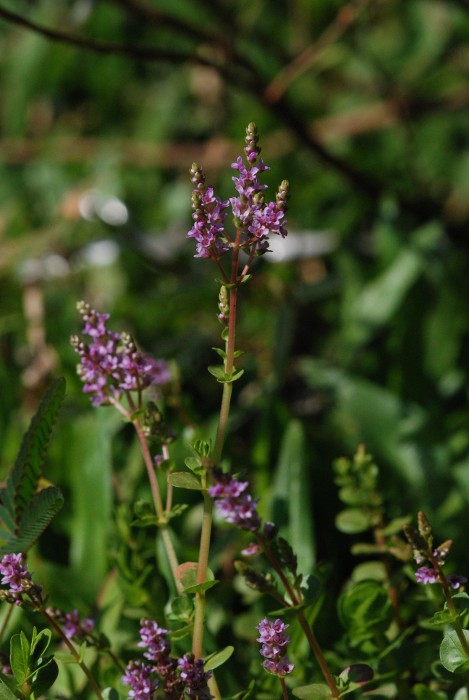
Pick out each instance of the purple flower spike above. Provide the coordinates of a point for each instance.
(192, 672)
(233, 502)
(209, 213)
(156, 640)
(138, 677)
(110, 363)
(274, 647)
(253, 217)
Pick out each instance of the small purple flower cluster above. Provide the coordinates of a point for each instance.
(426, 574)
(274, 647)
(234, 503)
(256, 219)
(110, 363)
(192, 672)
(71, 624)
(138, 676)
(185, 676)
(16, 577)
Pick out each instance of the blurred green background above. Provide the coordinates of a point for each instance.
(355, 330)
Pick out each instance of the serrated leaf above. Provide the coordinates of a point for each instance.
(452, 654)
(185, 480)
(36, 517)
(218, 658)
(23, 480)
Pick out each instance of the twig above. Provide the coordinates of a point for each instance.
(104, 47)
(308, 56)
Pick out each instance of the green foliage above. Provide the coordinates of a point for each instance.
(452, 654)
(358, 335)
(26, 511)
(34, 672)
(365, 611)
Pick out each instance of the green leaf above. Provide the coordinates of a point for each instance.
(366, 570)
(45, 676)
(452, 654)
(381, 297)
(220, 352)
(421, 692)
(110, 694)
(24, 478)
(218, 371)
(315, 691)
(36, 517)
(90, 466)
(6, 693)
(19, 658)
(193, 463)
(218, 658)
(185, 480)
(395, 526)
(291, 508)
(40, 643)
(364, 607)
(352, 521)
(370, 414)
(188, 578)
(182, 608)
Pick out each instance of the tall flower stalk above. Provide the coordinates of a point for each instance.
(112, 369)
(254, 220)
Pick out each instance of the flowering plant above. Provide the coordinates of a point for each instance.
(177, 655)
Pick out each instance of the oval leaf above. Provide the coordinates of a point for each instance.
(185, 480)
(218, 658)
(452, 655)
(315, 691)
(352, 520)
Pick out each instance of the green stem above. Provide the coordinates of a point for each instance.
(295, 598)
(284, 688)
(74, 653)
(207, 518)
(200, 598)
(6, 621)
(451, 606)
(155, 491)
(318, 655)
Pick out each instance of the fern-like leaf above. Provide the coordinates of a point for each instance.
(36, 517)
(22, 483)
